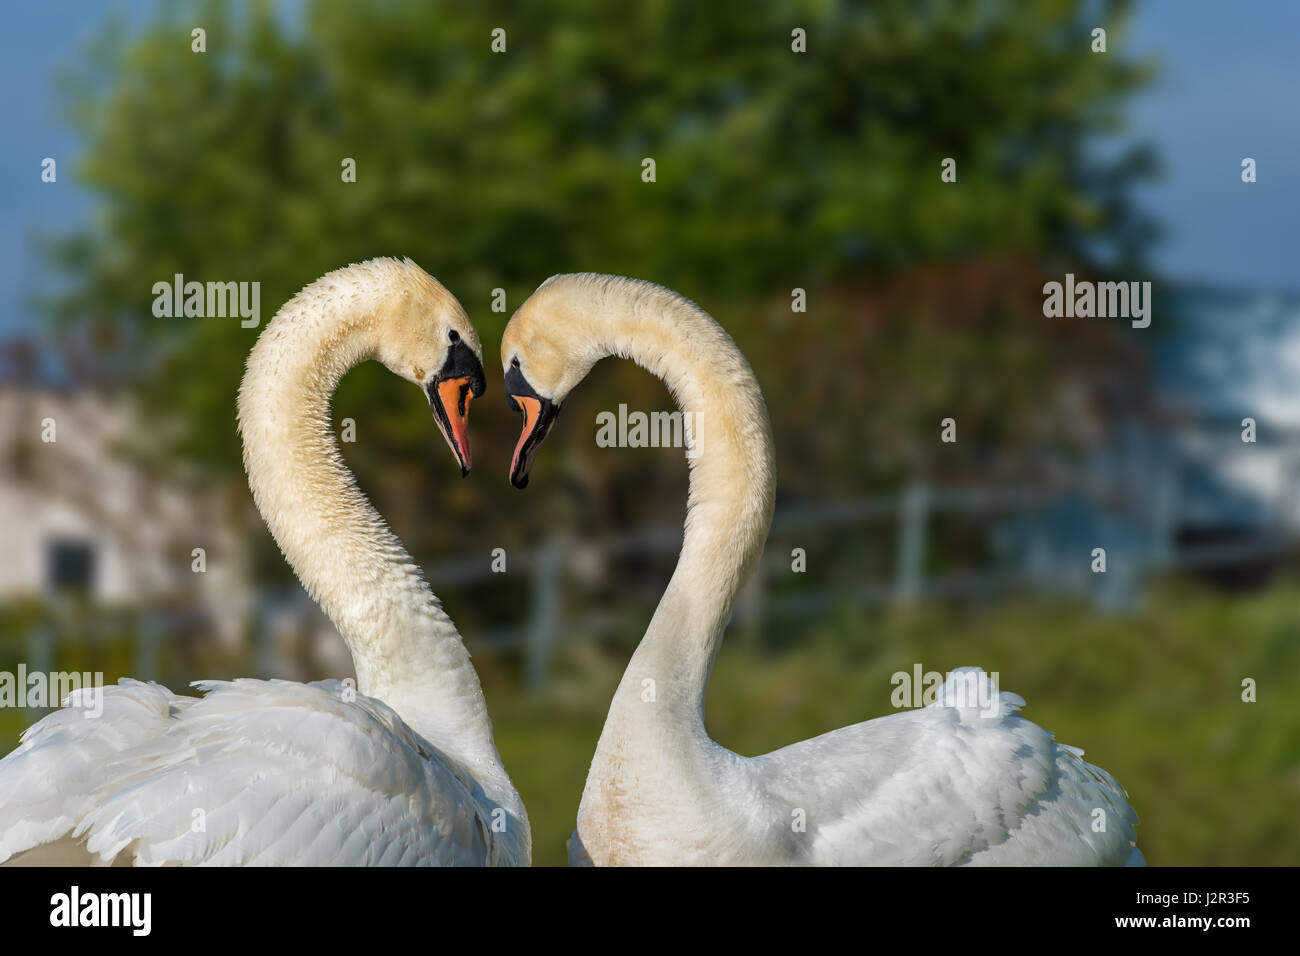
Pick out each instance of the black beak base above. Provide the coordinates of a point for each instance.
(461, 364)
(522, 397)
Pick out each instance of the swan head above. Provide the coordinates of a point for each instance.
(546, 350)
(427, 338)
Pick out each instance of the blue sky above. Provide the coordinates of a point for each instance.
(1228, 88)
(38, 40)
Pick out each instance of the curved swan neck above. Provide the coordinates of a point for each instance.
(406, 650)
(732, 480)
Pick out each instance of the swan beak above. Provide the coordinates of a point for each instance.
(450, 392)
(539, 415)
(454, 396)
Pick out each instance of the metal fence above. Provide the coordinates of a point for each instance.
(911, 512)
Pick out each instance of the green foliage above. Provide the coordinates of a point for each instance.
(1154, 698)
(775, 169)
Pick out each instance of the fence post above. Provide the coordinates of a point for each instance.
(264, 638)
(544, 626)
(750, 607)
(1164, 514)
(40, 659)
(148, 642)
(913, 506)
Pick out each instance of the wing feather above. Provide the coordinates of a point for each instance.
(252, 773)
(951, 784)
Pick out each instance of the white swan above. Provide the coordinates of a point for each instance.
(952, 783)
(400, 770)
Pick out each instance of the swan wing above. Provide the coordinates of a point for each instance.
(277, 773)
(950, 784)
(50, 782)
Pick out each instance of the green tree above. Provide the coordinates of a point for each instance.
(775, 169)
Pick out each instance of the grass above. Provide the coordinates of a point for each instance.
(1154, 696)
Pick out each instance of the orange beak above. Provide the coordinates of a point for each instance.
(539, 414)
(532, 409)
(453, 397)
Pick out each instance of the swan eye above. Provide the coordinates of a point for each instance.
(454, 336)
(514, 363)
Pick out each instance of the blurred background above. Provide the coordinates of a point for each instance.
(775, 171)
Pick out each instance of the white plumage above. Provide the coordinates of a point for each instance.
(265, 773)
(401, 769)
(946, 784)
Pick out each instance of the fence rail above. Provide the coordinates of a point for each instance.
(911, 510)
(545, 623)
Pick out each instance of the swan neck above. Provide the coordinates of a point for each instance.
(732, 489)
(405, 649)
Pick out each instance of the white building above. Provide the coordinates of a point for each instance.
(77, 514)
